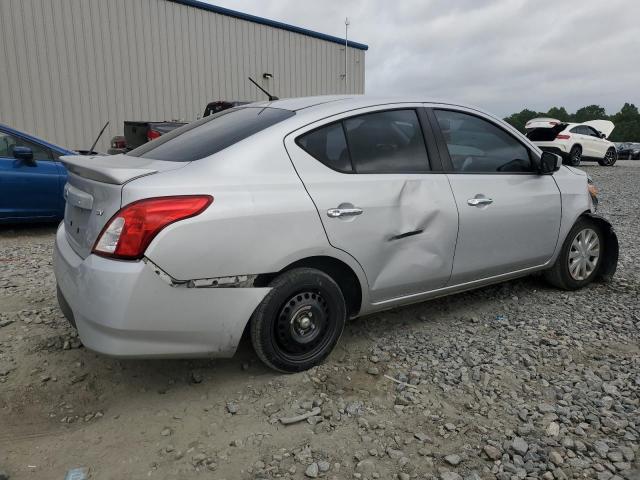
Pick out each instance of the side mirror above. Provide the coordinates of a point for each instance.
(549, 163)
(25, 154)
(602, 135)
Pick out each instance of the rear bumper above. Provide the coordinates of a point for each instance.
(123, 309)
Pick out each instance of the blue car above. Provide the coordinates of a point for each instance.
(32, 178)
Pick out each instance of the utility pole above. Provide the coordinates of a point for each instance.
(346, 46)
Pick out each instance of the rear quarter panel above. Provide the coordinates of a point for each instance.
(260, 221)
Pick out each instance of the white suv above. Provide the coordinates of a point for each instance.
(574, 141)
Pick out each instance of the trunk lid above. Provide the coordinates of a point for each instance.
(603, 126)
(544, 129)
(542, 122)
(93, 192)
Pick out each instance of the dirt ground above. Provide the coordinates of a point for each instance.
(509, 381)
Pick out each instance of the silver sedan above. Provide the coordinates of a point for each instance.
(286, 218)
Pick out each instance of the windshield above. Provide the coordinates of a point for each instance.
(210, 134)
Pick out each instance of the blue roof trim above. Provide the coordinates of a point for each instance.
(271, 23)
(26, 136)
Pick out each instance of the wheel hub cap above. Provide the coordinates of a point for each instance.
(584, 254)
(301, 324)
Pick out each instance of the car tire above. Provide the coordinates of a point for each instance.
(299, 322)
(609, 159)
(567, 272)
(575, 156)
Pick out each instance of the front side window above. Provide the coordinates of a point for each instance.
(380, 142)
(9, 141)
(210, 134)
(478, 146)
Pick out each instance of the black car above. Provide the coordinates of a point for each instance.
(629, 151)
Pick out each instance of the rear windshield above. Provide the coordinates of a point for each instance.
(210, 134)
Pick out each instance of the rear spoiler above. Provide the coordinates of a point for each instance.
(114, 169)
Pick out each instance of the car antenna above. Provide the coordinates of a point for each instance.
(98, 138)
(271, 97)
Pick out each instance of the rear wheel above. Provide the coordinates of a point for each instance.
(300, 320)
(575, 156)
(609, 158)
(580, 258)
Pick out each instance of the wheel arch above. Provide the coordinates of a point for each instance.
(611, 247)
(341, 272)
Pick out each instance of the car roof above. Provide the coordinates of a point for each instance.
(346, 102)
(53, 146)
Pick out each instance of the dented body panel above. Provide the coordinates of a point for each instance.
(406, 236)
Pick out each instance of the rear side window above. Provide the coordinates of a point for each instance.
(380, 142)
(329, 145)
(387, 142)
(478, 146)
(210, 134)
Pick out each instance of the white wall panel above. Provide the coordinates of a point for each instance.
(68, 66)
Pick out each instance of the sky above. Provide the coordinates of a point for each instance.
(500, 55)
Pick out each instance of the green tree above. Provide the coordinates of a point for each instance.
(560, 113)
(518, 120)
(627, 122)
(590, 112)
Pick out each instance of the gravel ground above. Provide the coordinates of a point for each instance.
(513, 381)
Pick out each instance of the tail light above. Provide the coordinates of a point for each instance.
(130, 231)
(118, 142)
(152, 134)
(563, 136)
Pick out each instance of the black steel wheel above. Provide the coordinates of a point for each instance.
(300, 320)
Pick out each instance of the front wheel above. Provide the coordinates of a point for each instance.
(580, 258)
(609, 158)
(300, 320)
(575, 156)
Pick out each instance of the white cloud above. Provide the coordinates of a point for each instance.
(502, 55)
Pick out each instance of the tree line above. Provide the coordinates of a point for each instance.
(627, 120)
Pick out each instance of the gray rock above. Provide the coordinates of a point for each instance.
(492, 452)
(366, 466)
(553, 429)
(453, 459)
(448, 475)
(324, 466)
(519, 445)
(312, 470)
(615, 456)
(555, 458)
(601, 448)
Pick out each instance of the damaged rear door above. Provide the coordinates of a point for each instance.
(370, 177)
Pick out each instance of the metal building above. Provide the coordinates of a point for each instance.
(68, 66)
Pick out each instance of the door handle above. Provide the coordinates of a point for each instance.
(479, 201)
(343, 212)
